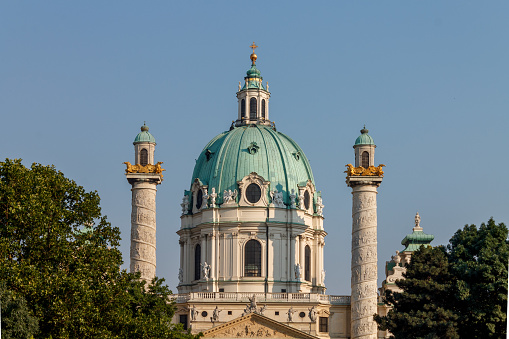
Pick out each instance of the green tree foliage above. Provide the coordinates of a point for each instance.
(454, 292)
(61, 255)
(17, 322)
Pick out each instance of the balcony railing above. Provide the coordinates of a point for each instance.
(262, 297)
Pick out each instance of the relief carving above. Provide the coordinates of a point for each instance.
(365, 290)
(364, 201)
(144, 198)
(364, 327)
(365, 218)
(364, 238)
(364, 255)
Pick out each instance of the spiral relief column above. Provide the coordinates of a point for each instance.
(364, 181)
(144, 176)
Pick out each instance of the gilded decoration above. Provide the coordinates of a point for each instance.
(371, 171)
(144, 169)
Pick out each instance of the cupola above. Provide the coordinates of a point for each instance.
(364, 149)
(144, 147)
(253, 97)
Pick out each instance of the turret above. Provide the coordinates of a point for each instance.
(364, 149)
(253, 97)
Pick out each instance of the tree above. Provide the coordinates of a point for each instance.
(61, 255)
(454, 292)
(17, 322)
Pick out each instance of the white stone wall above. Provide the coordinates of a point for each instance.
(143, 229)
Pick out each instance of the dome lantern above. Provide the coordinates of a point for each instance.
(364, 149)
(253, 97)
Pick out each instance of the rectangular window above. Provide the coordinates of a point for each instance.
(183, 320)
(229, 312)
(324, 324)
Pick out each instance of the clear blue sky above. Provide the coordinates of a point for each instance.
(429, 80)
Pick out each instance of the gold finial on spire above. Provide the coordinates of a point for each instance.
(253, 55)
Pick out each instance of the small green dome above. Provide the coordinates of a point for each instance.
(234, 154)
(253, 72)
(144, 136)
(364, 138)
(413, 241)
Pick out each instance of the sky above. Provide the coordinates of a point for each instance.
(428, 79)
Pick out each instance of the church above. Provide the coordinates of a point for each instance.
(252, 233)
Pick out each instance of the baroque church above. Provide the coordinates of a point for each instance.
(252, 233)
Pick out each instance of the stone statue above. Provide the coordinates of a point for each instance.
(267, 86)
(297, 271)
(319, 206)
(407, 259)
(323, 276)
(206, 270)
(229, 196)
(262, 309)
(252, 302)
(205, 198)
(396, 258)
(312, 313)
(194, 312)
(277, 198)
(213, 197)
(293, 196)
(185, 204)
(417, 220)
(181, 275)
(301, 201)
(239, 86)
(215, 315)
(290, 313)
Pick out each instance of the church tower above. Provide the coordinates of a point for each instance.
(144, 176)
(364, 179)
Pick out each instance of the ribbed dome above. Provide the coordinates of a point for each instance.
(232, 155)
(144, 135)
(364, 138)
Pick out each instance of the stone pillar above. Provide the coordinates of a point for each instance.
(364, 256)
(143, 225)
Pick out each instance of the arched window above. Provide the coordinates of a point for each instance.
(252, 108)
(243, 108)
(263, 108)
(365, 159)
(199, 199)
(307, 199)
(144, 157)
(307, 263)
(253, 259)
(197, 262)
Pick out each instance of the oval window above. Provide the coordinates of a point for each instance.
(253, 193)
(306, 200)
(199, 199)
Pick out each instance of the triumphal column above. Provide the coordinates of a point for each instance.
(144, 176)
(364, 179)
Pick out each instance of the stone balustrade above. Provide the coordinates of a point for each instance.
(261, 297)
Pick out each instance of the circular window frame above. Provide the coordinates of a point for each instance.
(257, 193)
(204, 314)
(302, 314)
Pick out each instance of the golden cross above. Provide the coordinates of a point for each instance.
(253, 46)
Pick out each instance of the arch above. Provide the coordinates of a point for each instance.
(252, 109)
(253, 259)
(263, 108)
(307, 263)
(365, 159)
(197, 262)
(243, 108)
(144, 157)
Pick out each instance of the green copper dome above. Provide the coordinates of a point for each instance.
(232, 155)
(364, 138)
(144, 136)
(413, 241)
